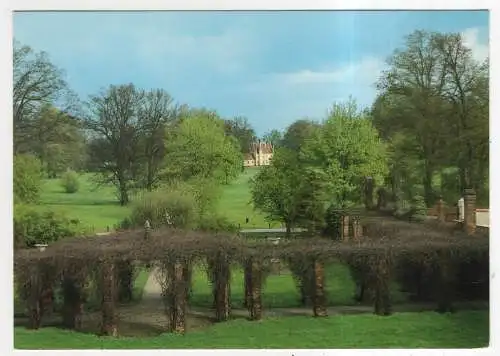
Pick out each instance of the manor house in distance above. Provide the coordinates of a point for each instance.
(260, 155)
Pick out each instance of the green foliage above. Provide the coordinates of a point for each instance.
(32, 226)
(346, 149)
(164, 208)
(199, 148)
(216, 223)
(70, 182)
(276, 189)
(435, 98)
(28, 175)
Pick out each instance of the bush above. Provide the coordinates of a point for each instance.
(70, 182)
(216, 223)
(174, 208)
(32, 227)
(28, 175)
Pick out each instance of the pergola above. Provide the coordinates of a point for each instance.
(385, 246)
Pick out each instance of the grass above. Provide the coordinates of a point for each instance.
(236, 206)
(467, 329)
(94, 207)
(280, 290)
(98, 207)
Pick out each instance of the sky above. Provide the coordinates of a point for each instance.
(271, 67)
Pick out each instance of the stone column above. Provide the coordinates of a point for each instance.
(357, 228)
(440, 210)
(345, 228)
(470, 211)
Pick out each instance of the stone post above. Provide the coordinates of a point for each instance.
(147, 229)
(470, 211)
(345, 227)
(440, 210)
(357, 229)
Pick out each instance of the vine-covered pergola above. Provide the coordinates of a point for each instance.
(382, 248)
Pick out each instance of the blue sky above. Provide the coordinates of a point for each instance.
(272, 67)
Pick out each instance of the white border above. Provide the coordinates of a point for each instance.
(6, 152)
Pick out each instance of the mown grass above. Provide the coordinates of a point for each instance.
(280, 290)
(467, 329)
(235, 203)
(97, 206)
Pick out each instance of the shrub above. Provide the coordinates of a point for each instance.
(32, 227)
(28, 175)
(70, 182)
(333, 223)
(216, 223)
(175, 208)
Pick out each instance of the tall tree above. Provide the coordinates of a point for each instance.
(277, 188)
(297, 133)
(114, 120)
(273, 137)
(346, 149)
(242, 130)
(37, 82)
(199, 148)
(156, 113)
(467, 90)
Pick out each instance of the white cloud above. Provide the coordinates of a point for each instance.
(470, 37)
(366, 70)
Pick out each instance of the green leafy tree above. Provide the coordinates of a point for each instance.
(273, 137)
(276, 189)
(28, 175)
(346, 149)
(240, 128)
(199, 148)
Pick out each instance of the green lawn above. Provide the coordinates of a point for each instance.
(94, 207)
(98, 207)
(280, 290)
(467, 329)
(236, 206)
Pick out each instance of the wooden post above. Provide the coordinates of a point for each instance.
(255, 300)
(109, 323)
(35, 306)
(73, 302)
(247, 283)
(470, 211)
(445, 286)
(180, 297)
(319, 300)
(441, 214)
(345, 227)
(221, 288)
(382, 290)
(125, 275)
